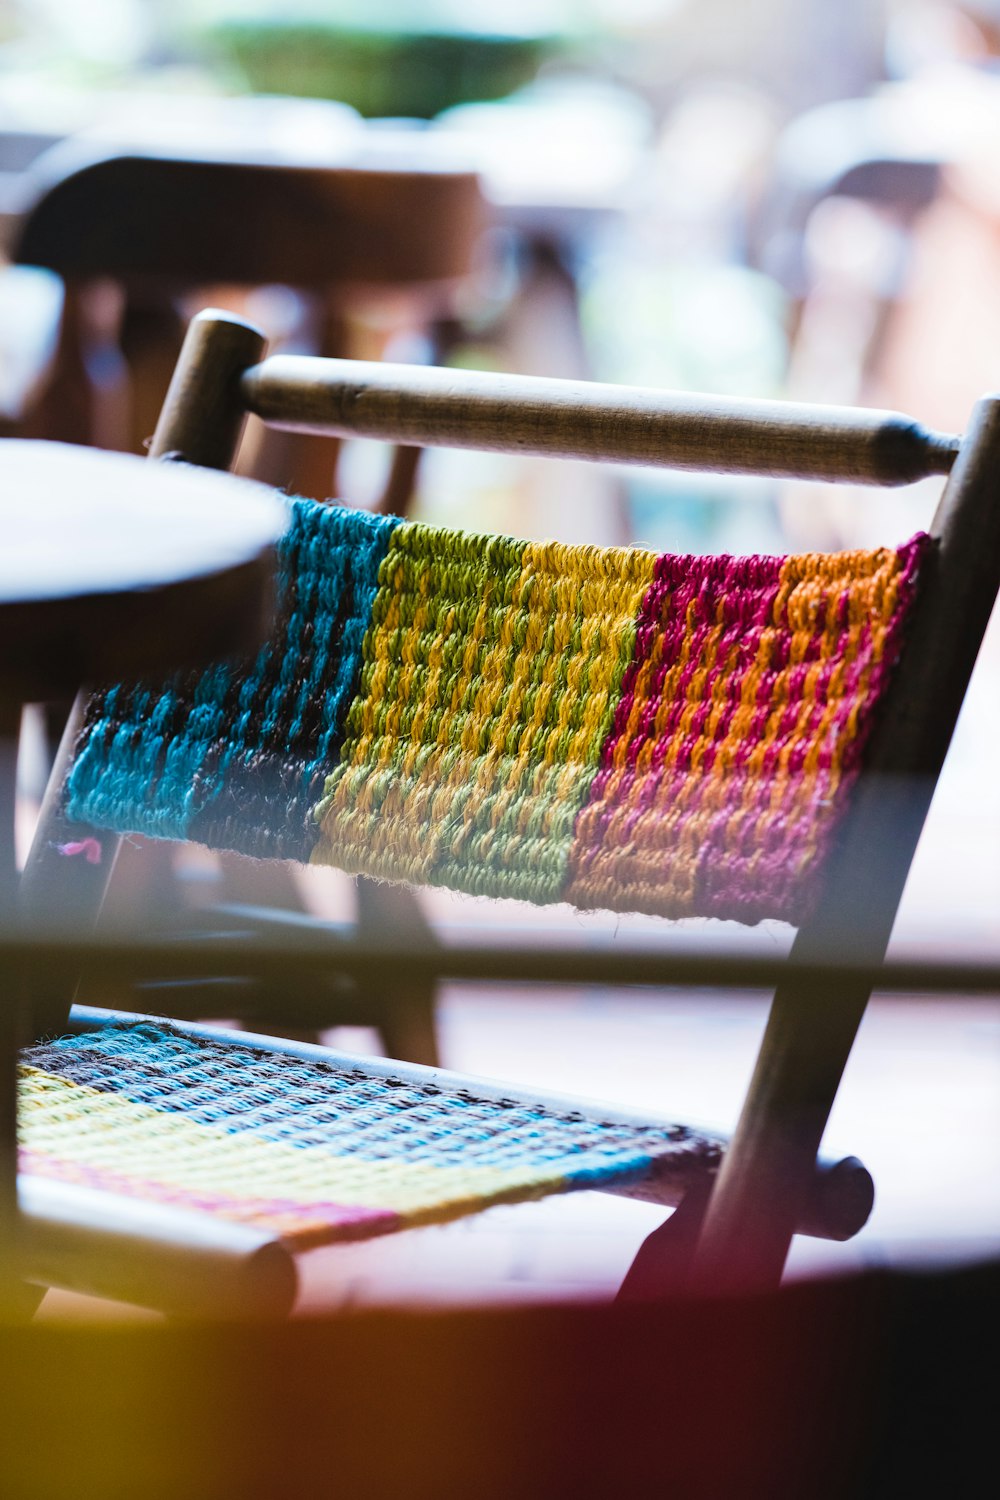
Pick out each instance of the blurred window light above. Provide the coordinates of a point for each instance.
(116, 31)
(494, 17)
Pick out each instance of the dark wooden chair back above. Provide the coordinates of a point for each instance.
(187, 222)
(160, 226)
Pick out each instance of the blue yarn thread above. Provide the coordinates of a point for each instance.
(237, 758)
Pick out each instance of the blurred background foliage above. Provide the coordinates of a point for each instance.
(669, 183)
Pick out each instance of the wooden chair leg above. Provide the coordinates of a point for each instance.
(18, 1300)
(408, 1028)
(405, 1016)
(397, 494)
(142, 890)
(10, 731)
(10, 1008)
(661, 1265)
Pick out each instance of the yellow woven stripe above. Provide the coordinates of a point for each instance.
(499, 667)
(575, 611)
(162, 1149)
(437, 628)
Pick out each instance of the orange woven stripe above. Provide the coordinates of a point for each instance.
(747, 707)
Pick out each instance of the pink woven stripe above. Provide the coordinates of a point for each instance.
(302, 1226)
(690, 599)
(744, 716)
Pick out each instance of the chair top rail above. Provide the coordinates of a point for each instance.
(427, 407)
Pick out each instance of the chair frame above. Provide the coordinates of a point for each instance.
(740, 1237)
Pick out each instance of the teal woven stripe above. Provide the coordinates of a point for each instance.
(237, 759)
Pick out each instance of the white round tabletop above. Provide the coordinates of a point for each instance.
(112, 565)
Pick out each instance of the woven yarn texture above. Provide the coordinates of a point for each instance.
(315, 1150)
(609, 727)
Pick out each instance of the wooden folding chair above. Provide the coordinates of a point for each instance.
(740, 737)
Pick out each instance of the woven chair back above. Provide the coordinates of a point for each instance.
(609, 727)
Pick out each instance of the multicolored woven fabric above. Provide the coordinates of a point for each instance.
(612, 728)
(313, 1149)
(237, 759)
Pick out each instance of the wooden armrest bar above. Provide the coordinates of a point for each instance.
(426, 407)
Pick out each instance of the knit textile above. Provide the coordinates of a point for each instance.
(316, 1149)
(610, 727)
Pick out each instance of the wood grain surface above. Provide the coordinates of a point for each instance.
(429, 407)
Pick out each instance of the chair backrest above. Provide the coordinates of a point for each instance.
(186, 221)
(612, 728)
(855, 606)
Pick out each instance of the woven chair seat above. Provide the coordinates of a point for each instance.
(607, 727)
(315, 1146)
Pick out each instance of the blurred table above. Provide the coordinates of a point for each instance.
(109, 566)
(112, 566)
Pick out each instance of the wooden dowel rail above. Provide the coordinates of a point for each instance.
(153, 1254)
(427, 407)
(241, 956)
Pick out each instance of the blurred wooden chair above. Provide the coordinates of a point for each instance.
(851, 182)
(747, 738)
(137, 239)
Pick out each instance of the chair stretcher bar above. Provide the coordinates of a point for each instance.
(132, 1250)
(297, 954)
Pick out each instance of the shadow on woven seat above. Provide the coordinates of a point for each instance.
(740, 737)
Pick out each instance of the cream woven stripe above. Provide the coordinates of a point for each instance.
(102, 1131)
